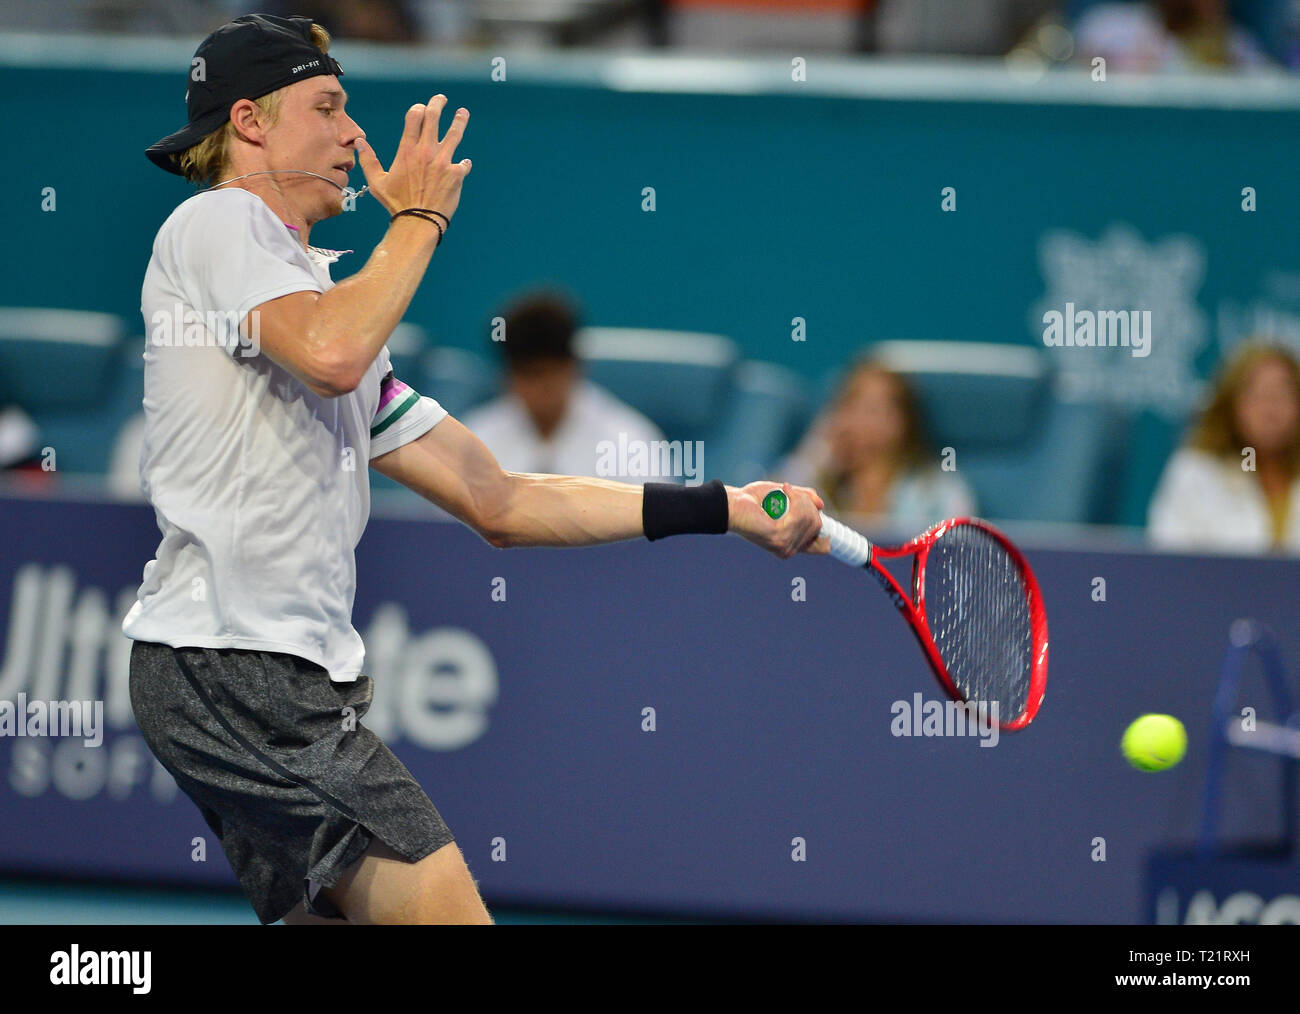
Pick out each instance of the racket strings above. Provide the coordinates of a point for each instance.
(977, 607)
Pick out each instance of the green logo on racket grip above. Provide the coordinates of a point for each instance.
(775, 503)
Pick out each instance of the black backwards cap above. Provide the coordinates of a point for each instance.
(250, 57)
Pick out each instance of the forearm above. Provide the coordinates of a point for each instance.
(570, 510)
(567, 510)
(351, 322)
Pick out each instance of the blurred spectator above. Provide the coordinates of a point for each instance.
(958, 27)
(551, 418)
(867, 456)
(966, 27)
(767, 26)
(372, 20)
(138, 16)
(1235, 483)
(1166, 35)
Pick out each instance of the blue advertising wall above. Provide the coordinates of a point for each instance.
(522, 715)
(1229, 888)
(775, 199)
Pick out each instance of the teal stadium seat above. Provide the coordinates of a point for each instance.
(406, 346)
(458, 380)
(694, 386)
(1029, 454)
(1153, 438)
(68, 369)
(766, 412)
(680, 380)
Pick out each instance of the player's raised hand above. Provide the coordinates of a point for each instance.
(422, 174)
(797, 531)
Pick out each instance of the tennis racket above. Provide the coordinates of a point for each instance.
(975, 609)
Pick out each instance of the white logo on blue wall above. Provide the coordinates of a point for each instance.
(65, 643)
(1121, 271)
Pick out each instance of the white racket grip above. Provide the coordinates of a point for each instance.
(846, 544)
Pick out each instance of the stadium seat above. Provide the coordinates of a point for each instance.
(693, 386)
(405, 346)
(456, 379)
(1153, 439)
(680, 380)
(70, 353)
(1029, 453)
(973, 393)
(67, 370)
(767, 410)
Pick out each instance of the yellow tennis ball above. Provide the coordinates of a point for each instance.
(1154, 742)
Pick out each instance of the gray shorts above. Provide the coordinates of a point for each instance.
(293, 788)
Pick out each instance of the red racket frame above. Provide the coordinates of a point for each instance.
(913, 609)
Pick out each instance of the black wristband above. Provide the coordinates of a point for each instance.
(670, 509)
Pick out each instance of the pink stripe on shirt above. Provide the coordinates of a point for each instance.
(391, 390)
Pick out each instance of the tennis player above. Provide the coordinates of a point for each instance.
(268, 391)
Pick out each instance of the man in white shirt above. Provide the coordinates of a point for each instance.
(551, 418)
(268, 391)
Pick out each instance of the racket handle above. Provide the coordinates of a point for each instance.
(847, 546)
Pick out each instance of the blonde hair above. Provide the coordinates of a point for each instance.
(204, 163)
(1216, 432)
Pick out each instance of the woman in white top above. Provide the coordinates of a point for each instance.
(1234, 485)
(869, 458)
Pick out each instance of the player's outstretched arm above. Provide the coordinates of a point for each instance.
(452, 468)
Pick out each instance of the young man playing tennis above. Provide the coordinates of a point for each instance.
(246, 665)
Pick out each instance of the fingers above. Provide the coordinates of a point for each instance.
(432, 117)
(369, 161)
(812, 493)
(421, 173)
(455, 132)
(411, 128)
(810, 505)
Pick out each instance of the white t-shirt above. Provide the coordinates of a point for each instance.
(597, 437)
(1205, 504)
(261, 488)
